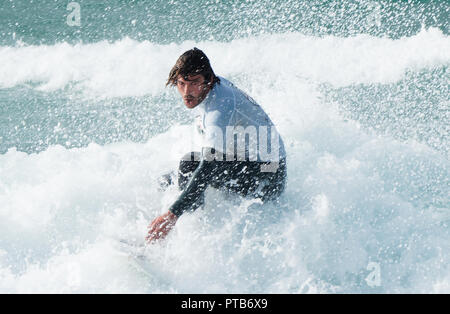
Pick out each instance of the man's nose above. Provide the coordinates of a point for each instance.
(187, 88)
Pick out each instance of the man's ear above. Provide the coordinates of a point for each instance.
(210, 83)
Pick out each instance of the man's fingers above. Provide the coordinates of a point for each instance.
(155, 223)
(155, 232)
(160, 227)
(151, 231)
(152, 236)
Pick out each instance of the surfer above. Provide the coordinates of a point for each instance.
(242, 151)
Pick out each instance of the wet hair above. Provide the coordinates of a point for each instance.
(192, 62)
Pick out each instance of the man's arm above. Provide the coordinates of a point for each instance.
(188, 199)
(193, 191)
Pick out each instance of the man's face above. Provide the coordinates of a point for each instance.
(193, 90)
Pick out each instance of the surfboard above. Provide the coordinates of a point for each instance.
(137, 255)
(142, 260)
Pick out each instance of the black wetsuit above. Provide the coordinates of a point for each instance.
(244, 178)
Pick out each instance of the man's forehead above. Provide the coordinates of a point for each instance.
(197, 77)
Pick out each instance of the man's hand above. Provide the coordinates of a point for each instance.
(161, 226)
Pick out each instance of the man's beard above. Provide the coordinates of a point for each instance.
(199, 99)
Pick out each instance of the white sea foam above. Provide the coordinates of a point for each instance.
(131, 68)
(61, 210)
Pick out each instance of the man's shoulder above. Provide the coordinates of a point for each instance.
(226, 96)
(221, 96)
(236, 91)
(228, 86)
(223, 86)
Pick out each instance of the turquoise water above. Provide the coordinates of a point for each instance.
(160, 21)
(359, 91)
(43, 23)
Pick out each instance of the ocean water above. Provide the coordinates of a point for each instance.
(359, 90)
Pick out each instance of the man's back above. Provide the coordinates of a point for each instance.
(226, 109)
